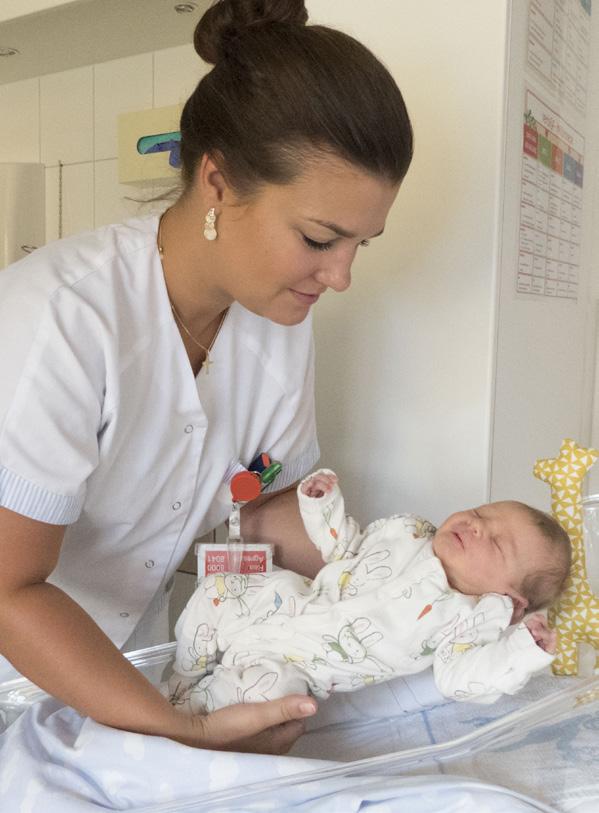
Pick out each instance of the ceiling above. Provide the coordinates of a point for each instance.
(11, 9)
(85, 32)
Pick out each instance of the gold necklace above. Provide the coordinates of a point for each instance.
(207, 361)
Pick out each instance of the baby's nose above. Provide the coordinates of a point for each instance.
(476, 528)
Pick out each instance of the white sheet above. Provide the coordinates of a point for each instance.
(53, 761)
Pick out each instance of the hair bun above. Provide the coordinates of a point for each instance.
(226, 20)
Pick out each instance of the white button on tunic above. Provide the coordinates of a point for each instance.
(104, 428)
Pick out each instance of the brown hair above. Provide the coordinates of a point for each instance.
(281, 92)
(544, 586)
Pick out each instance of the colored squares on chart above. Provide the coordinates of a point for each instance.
(544, 151)
(531, 141)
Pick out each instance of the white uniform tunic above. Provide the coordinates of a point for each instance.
(104, 428)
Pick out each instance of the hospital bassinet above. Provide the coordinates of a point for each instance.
(399, 747)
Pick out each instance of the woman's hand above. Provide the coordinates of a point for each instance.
(266, 728)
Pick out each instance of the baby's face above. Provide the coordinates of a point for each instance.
(490, 549)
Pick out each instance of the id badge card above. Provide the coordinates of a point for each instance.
(229, 557)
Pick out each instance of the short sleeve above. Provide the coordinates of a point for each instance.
(51, 410)
(291, 437)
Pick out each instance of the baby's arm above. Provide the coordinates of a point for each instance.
(322, 507)
(483, 657)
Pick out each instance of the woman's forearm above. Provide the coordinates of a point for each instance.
(276, 519)
(51, 640)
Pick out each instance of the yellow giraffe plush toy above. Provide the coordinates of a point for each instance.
(575, 615)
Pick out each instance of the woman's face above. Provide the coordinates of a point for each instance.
(278, 253)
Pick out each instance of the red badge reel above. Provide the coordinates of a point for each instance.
(235, 556)
(245, 486)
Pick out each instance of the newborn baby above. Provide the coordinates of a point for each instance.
(393, 599)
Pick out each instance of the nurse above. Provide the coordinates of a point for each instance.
(143, 364)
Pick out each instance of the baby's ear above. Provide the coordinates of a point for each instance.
(520, 606)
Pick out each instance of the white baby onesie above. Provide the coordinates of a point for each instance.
(381, 607)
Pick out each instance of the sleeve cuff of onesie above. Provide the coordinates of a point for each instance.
(314, 505)
(30, 500)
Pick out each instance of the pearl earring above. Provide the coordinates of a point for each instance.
(209, 225)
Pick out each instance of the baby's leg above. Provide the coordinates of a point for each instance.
(254, 683)
(217, 612)
(197, 632)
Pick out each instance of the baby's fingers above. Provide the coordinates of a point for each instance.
(322, 483)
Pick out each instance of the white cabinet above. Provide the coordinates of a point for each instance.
(22, 210)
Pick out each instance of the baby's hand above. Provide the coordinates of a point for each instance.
(544, 637)
(318, 484)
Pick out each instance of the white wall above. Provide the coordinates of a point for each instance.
(405, 358)
(545, 347)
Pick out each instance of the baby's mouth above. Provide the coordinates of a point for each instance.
(459, 538)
